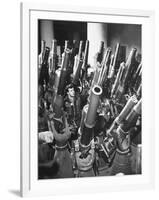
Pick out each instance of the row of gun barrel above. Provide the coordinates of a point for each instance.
(101, 102)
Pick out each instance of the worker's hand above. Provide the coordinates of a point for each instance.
(45, 137)
(65, 133)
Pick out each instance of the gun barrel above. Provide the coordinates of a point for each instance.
(57, 79)
(85, 60)
(93, 105)
(118, 79)
(44, 72)
(53, 57)
(54, 46)
(89, 116)
(127, 108)
(114, 61)
(100, 52)
(78, 66)
(66, 45)
(132, 117)
(123, 114)
(105, 62)
(139, 91)
(130, 64)
(110, 66)
(58, 106)
(96, 75)
(102, 67)
(63, 75)
(138, 78)
(85, 57)
(80, 49)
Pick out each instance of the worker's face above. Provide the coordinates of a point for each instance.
(71, 92)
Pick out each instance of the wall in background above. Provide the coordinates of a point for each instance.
(61, 31)
(96, 32)
(128, 35)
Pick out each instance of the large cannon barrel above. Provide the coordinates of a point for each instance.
(41, 55)
(118, 78)
(56, 81)
(113, 68)
(124, 113)
(100, 52)
(60, 84)
(105, 67)
(54, 46)
(100, 57)
(138, 77)
(132, 117)
(110, 66)
(130, 65)
(66, 45)
(101, 68)
(63, 75)
(44, 73)
(96, 75)
(85, 59)
(53, 59)
(89, 116)
(93, 105)
(78, 66)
